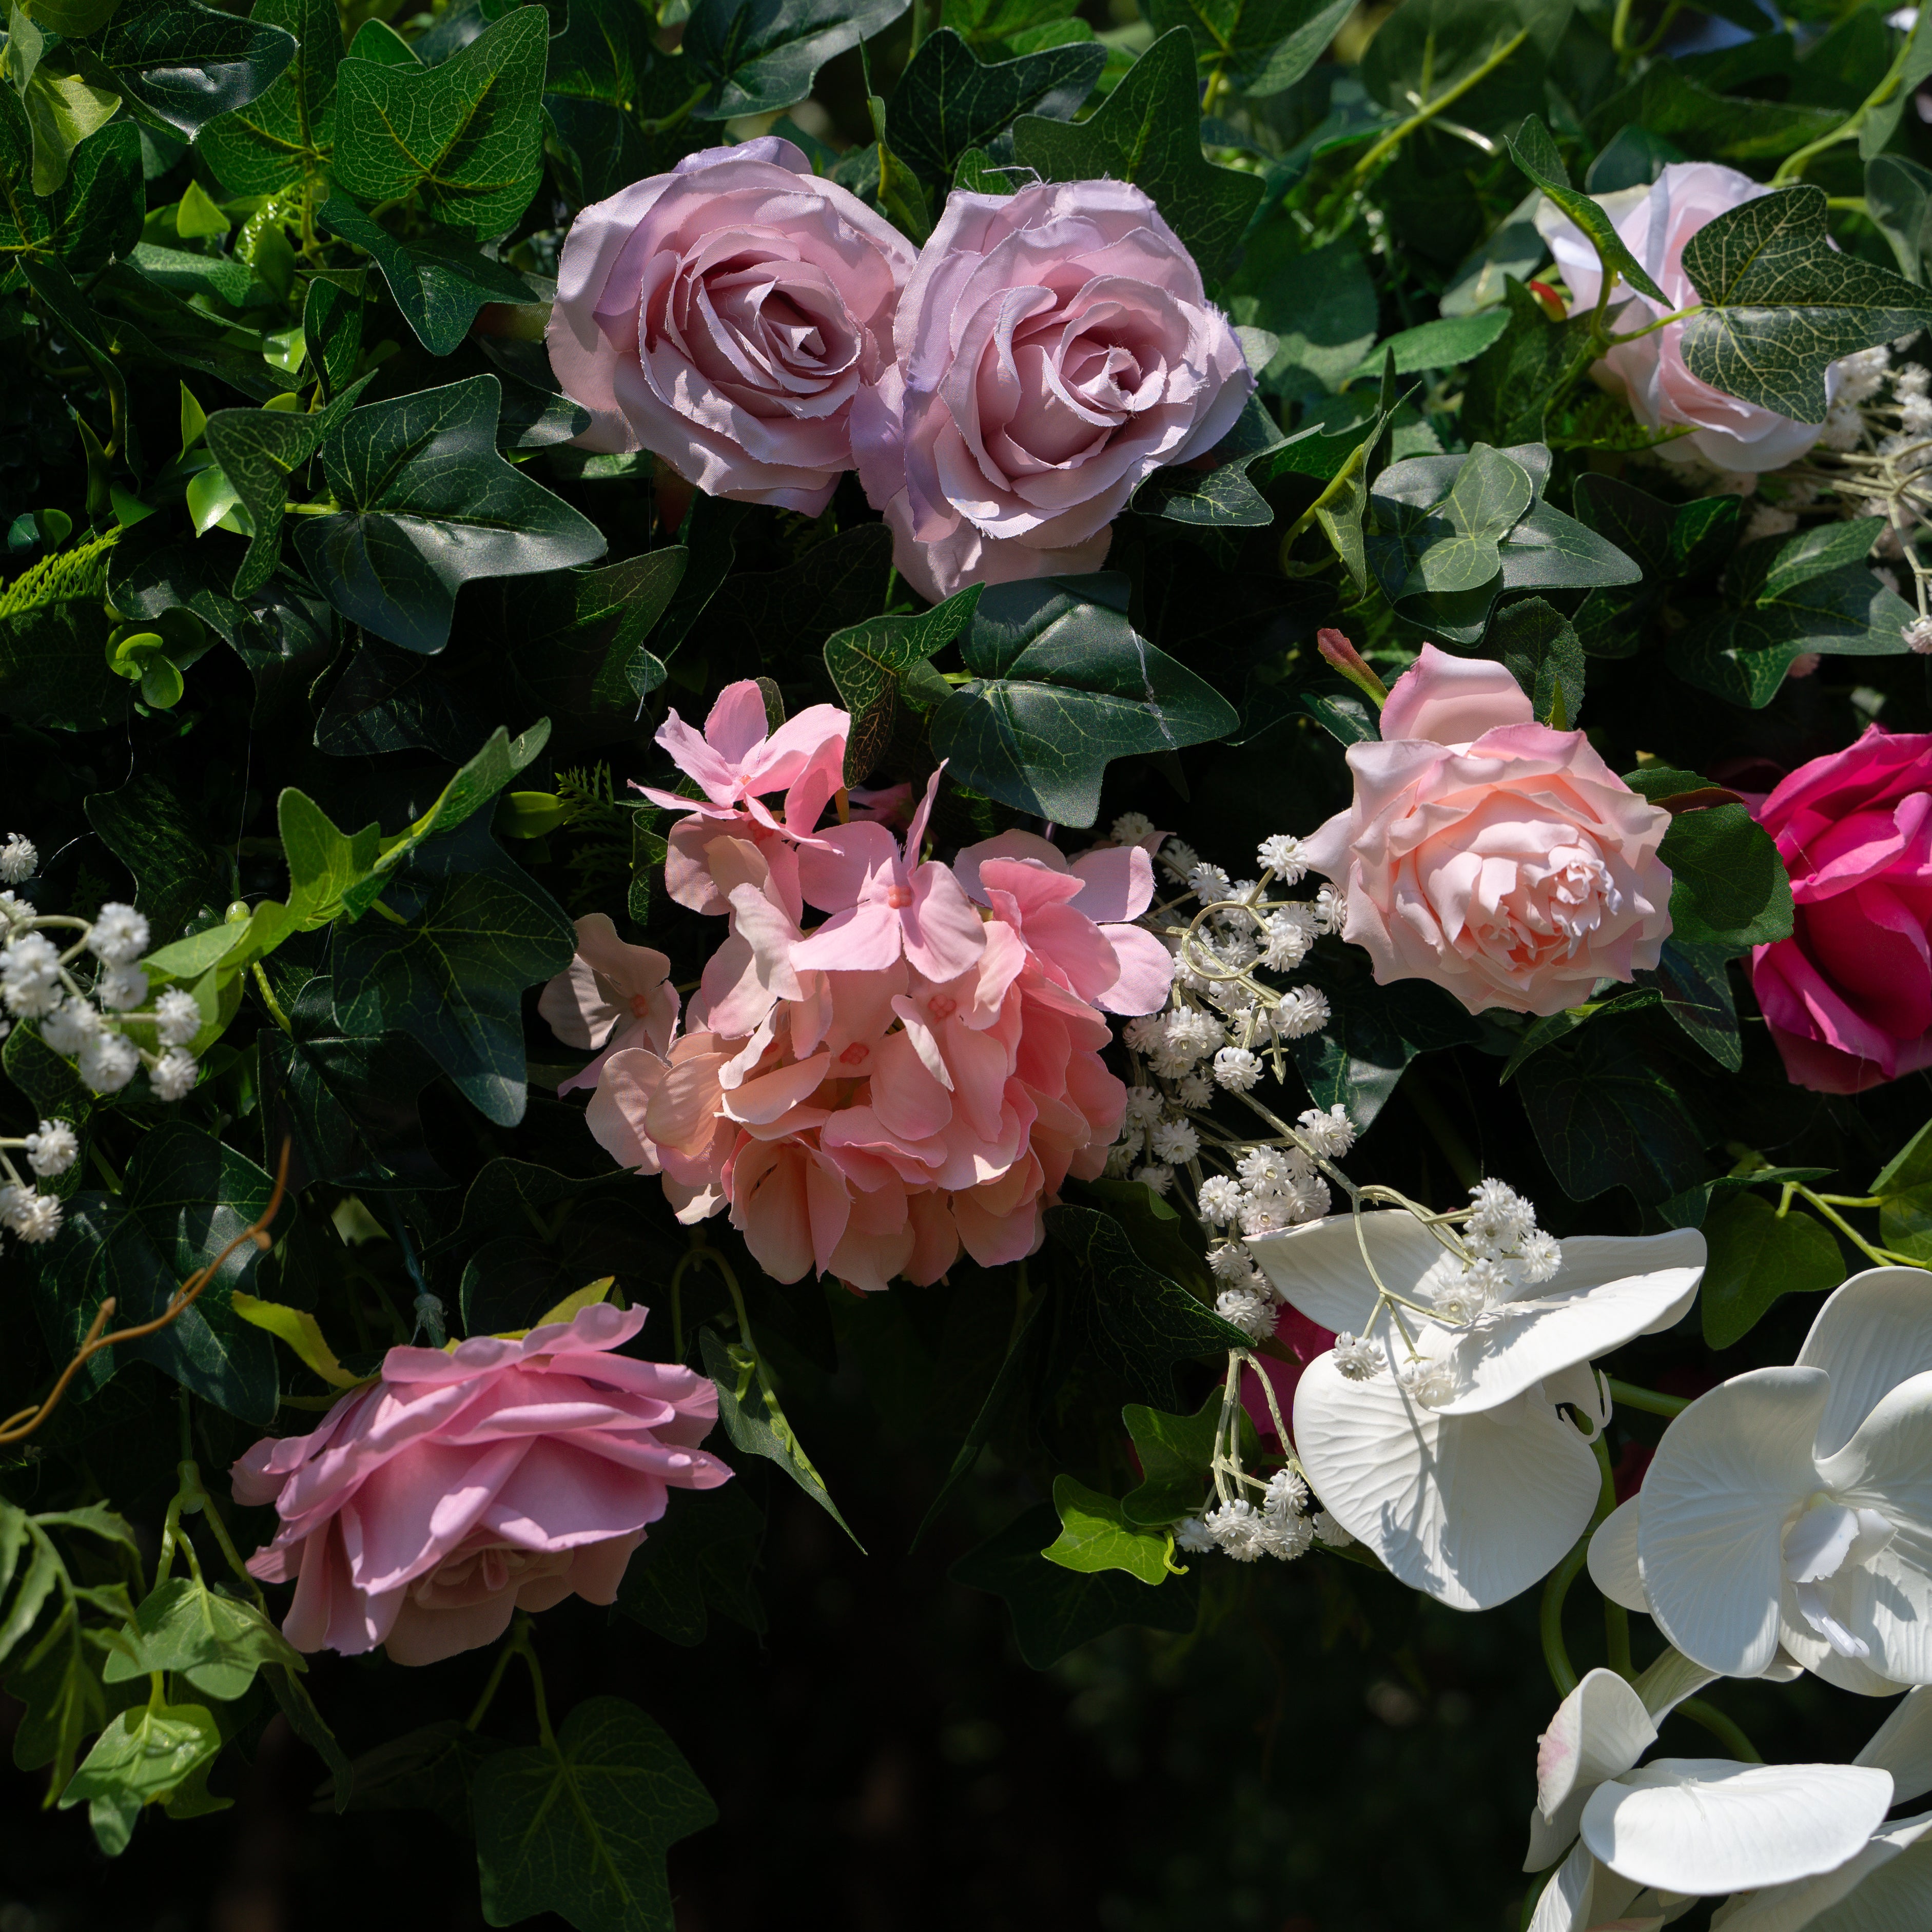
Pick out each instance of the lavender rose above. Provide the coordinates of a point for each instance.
(723, 316)
(1054, 347)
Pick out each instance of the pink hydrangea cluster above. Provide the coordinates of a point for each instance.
(887, 1059)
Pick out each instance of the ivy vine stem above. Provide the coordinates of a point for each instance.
(1430, 109)
(1652, 1401)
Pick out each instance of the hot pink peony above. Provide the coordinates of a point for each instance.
(1849, 995)
(1055, 347)
(1654, 223)
(917, 1075)
(463, 1487)
(723, 317)
(1502, 860)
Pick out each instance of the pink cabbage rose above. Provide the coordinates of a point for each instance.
(723, 316)
(1849, 995)
(1655, 223)
(1501, 860)
(1055, 347)
(611, 996)
(506, 1474)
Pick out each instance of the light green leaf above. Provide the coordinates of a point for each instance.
(1441, 344)
(1095, 1536)
(142, 1756)
(1905, 1187)
(217, 1643)
(1755, 1257)
(1262, 47)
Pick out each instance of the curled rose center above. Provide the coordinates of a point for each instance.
(756, 322)
(466, 1576)
(1532, 912)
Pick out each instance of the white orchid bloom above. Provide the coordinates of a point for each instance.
(1792, 1508)
(1888, 1885)
(1453, 1464)
(1651, 1838)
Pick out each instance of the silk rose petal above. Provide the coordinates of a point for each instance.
(723, 316)
(1055, 347)
(1849, 995)
(1654, 223)
(1512, 867)
(426, 1508)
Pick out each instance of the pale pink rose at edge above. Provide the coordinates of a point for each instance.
(430, 1507)
(1504, 861)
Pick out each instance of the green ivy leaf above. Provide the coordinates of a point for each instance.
(462, 142)
(217, 1642)
(177, 872)
(1539, 647)
(432, 1769)
(1055, 1610)
(1756, 1256)
(477, 932)
(438, 277)
(1095, 1535)
(1262, 47)
(1605, 1116)
(700, 1554)
(427, 506)
(1445, 343)
(1148, 132)
(869, 664)
(184, 1197)
(182, 63)
(1535, 153)
(1062, 685)
(1693, 983)
(1730, 888)
(285, 136)
(1781, 304)
(139, 1759)
(1905, 1189)
(948, 101)
(1176, 1453)
(1899, 193)
(755, 56)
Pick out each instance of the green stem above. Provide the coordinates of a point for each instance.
(1620, 33)
(1616, 1618)
(1723, 1728)
(1428, 111)
(1883, 1256)
(268, 1000)
(492, 1683)
(1555, 1654)
(1652, 1401)
(1792, 166)
(527, 1650)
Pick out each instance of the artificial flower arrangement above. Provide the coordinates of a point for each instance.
(689, 979)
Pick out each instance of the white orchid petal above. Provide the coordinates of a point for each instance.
(1709, 1825)
(1318, 1267)
(1820, 1541)
(1471, 1510)
(1885, 1605)
(1609, 1290)
(1903, 1745)
(1613, 1564)
(1873, 1333)
(1729, 1471)
(1811, 1651)
(1669, 1680)
(1887, 1465)
(1895, 1895)
(1582, 1893)
(1599, 1730)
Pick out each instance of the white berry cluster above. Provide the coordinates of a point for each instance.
(1285, 1523)
(89, 1003)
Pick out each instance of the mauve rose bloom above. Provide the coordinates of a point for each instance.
(1849, 995)
(1655, 223)
(1501, 860)
(723, 317)
(1055, 347)
(431, 1505)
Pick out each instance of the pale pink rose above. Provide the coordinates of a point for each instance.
(1503, 860)
(431, 1505)
(1655, 223)
(610, 995)
(723, 317)
(1849, 995)
(737, 764)
(1055, 347)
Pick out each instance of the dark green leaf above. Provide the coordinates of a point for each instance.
(948, 101)
(753, 56)
(868, 663)
(1062, 685)
(1905, 1214)
(477, 932)
(701, 1551)
(1176, 1453)
(1054, 1611)
(184, 1197)
(428, 505)
(1539, 647)
(1756, 1256)
(437, 276)
(184, 63)
(94, 214)
(284, 135)
(1731, 890)
(1148, 132)
(1695, 986)
(332, 334)
(259, 450)
(1604, 1118)
(430, 1770)
(462, 142)
(1781, 304)
(177, 873)
(1262, 47)
(1899, 193)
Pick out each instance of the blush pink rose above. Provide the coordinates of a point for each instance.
(1501, 860)
(723, 317)
(459, 1488)
(1055, 347)
(1849, 995)
(1655, 223)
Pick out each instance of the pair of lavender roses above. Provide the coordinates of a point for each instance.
(1001, 392)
